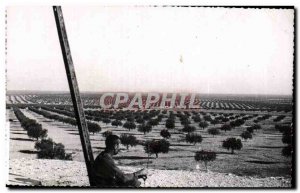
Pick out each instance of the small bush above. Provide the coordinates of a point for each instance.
(203, 124)
(116, 123)
(93, 127)
(250, 129)
(279, 118)
(170, 124)
(205, 156)
(287, 139)
(140, 120)
(226, 127)
(197, 118)
(239, 122)
(129, 125)
(188, 128)
(128, 140)
(246, 135)
(153, 122)
(36, 131)
(165, 134)
(184, 121)
(256, 127)
(106, 121)
(207, 118)
(47, 149)
(287, 151)
(284, 128)
(233, 144)
(213, 131)
(156, 147)
(193, 138)
(215, 121)
(145, 128)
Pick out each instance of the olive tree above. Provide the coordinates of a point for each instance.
(156, 147)
(116, 123)
(250, 129)
(129, 125)
(165, 134)
(106, 121)
(193, 138)
(188, 128)
(213, 131)
(205, 156)
(203, 124)
(246, 135)
(93, 127)
(145, 128)
(233, 144)
(47, 149)
(36, 131)
(226, 127)
(215, 121)
(128, 140)
(256, 127)
(170, 124)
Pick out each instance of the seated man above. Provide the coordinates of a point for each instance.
(107, 174)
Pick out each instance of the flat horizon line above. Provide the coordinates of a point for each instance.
(99, 92)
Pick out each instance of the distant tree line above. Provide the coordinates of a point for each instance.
(92, 127)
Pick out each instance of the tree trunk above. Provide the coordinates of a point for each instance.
(156, 155)
(127, 146)
(232, 151)
(205, 163)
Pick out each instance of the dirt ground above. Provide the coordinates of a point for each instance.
(72, 173)
(259, 163)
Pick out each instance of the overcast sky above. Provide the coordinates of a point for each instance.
(143, 49)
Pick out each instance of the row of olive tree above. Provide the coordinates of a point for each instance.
(47, 148)
(34, 129)
(92, 127)
(287, 138)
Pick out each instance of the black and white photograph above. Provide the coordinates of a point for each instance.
(152, 96)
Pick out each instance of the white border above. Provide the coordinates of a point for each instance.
(4, 3)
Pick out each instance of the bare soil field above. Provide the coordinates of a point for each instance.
(72, 173)
(258, 164)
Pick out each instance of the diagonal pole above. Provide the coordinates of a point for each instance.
(74, 90)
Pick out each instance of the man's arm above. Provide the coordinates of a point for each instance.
(130, 179)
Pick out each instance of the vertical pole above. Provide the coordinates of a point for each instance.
(74, 90)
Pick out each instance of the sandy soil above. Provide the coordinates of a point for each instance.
(265, 147)
(25, 169)
(44, 172)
